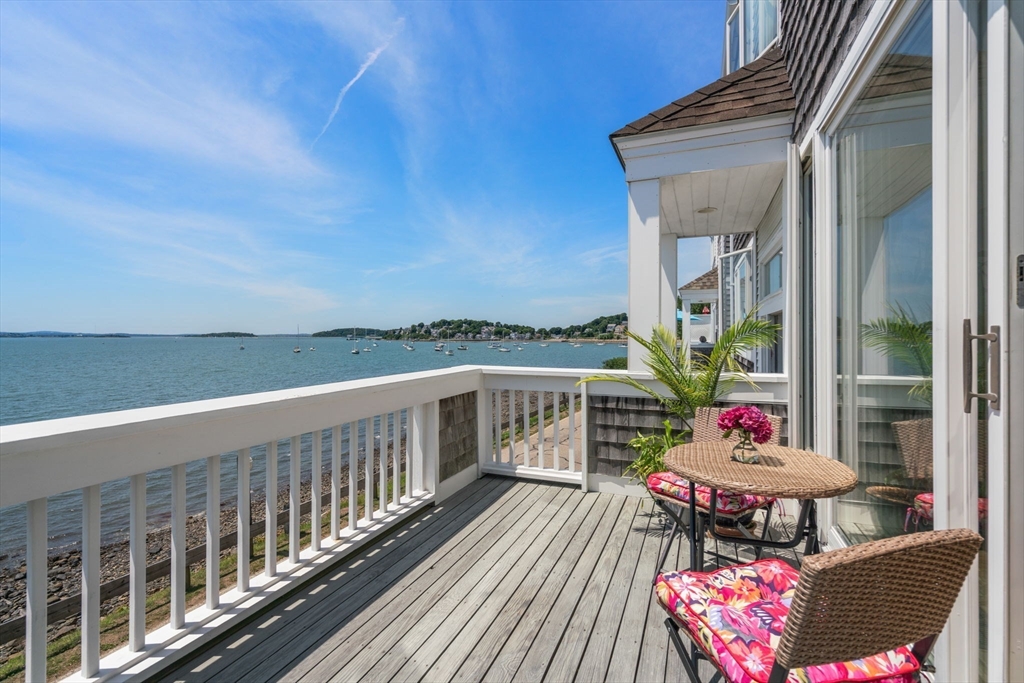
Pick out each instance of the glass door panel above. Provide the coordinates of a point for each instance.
(884, 293)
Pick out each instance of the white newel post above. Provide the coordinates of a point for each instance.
(483, 429)
(270, 513)
(424, 440)
(178, 548)
(652, 267)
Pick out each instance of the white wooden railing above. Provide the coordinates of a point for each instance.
(45, 459)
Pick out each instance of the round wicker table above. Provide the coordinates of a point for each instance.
(782, 473)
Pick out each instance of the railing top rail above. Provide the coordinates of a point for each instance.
(46, 458)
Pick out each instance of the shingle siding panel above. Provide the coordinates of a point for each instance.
(815, 38)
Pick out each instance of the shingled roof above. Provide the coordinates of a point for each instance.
(708, 280)
(759, 88)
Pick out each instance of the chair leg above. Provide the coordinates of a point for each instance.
(664, 553)
(779, 674)
(688, 663)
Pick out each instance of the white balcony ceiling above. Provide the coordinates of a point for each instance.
(739, 196)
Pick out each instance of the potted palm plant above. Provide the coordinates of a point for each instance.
(694, 380)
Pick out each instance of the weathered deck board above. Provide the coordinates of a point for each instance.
(508, 580)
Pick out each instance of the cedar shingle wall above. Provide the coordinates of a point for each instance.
(614, 421)
(457, 443)
(816, 37)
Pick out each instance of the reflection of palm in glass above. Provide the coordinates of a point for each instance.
(901, 337)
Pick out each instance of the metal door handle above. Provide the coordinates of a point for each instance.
(993, 366)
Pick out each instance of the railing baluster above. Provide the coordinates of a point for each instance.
(90, 581)
(137, 563)
(178, 549)
(572, 432)
(496, 426)
(35, 592)
(336, 482)
(383, 459)
(212, 532)
(294, 500)
(540, 428)
(510, 396)
(526, 428)
(396, 457)
(243, 511)
(368, 469)
(270, 540)
(315, 473)
(353, 475)
(408, 454)
(558, 437)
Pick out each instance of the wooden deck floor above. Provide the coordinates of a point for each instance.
(506, 581)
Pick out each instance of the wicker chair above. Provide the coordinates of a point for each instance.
(847, 606)
(671, 493)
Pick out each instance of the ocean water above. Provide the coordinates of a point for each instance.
(48, 378)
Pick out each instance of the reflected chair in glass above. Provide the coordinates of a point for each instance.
(671, 493)
(843, 616)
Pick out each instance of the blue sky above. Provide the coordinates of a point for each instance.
(174, 167)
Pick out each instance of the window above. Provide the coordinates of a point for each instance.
(733, 26)
(761, 25)
(750, 28)
(773, 274)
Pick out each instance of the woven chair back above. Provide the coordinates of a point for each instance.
(705, 427)
(914, 441)
(870, 598)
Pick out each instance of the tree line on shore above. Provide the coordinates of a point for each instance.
(603, 327)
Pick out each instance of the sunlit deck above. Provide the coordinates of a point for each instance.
(507, 580)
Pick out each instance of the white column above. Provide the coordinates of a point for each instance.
(137, 563)
(484, 429)
(90, 581)
(686, 303)
(668, 246)
(178, 546)
(35, 592)
(645, 279)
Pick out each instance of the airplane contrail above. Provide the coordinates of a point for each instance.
(367, 63)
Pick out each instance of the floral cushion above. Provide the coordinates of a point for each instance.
(668, 484)
(924, 507)
(737, 614)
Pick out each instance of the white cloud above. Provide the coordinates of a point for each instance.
(177, 245)
(134, 94)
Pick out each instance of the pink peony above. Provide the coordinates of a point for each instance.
(750, 420)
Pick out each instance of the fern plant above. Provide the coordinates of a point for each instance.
(650, 452)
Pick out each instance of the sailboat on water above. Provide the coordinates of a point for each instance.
(355, 344)
(297, 349)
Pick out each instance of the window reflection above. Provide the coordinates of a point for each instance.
(884, 293)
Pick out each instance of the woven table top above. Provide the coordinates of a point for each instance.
(783, 472)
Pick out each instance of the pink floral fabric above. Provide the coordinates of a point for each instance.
(737, 615)
(668, 484)
(924, 509)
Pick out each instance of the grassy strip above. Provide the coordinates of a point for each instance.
(64, 654)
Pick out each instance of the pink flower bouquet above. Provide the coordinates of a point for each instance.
(753, 426)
